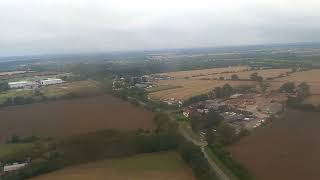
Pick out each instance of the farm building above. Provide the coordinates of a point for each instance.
(20, 84)
(51, 81)
(13, 167)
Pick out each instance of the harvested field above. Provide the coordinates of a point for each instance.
(311, 77)
(285, 149)
(204, 72)
(191, 88)
(155, 166)
(66, 117)
(265, 73)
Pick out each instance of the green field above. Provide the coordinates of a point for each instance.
(14, 93)
(155, 166)
(162, 88)
(78, 87)
(7, 150)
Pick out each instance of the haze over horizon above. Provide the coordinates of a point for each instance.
(80, 26)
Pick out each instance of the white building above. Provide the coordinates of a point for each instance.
(20, 84)
(51, 81)
(13, 167)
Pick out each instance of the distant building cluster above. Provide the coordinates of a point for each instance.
(30, 84)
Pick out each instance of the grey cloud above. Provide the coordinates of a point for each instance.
(71, 26)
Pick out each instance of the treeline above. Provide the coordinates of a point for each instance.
(297, 103)
(196, 160)
(236, 168)
(22, 100)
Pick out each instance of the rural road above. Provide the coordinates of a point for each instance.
(202, 144)
(214, 166)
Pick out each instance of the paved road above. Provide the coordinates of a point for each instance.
(202, 144)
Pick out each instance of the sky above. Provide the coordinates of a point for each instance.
(30, 27)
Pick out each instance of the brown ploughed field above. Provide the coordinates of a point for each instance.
(67, 117)
(286, 149)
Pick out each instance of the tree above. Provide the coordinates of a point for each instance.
(223, 92)
(288, 87)
(234, 77)
(227, 90)
(14, 139)
(255, 77)
(221, 78)
(246, 88)
(213, 119)
(303, 90)
(225, 134)
(264, 86)
(3, 86)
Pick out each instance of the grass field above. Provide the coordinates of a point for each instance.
(67, 117)
(15, 92)
(191, 87)
(77, 87)
(162, 88)
(155, 166)
(11, 149)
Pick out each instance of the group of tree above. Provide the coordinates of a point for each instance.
(217, 131)
(3, 86)
(255, 77)
(224, 91)
(234, 77)
(196, 160)
(18, 100)
(302, 90)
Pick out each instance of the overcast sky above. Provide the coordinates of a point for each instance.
(80, 26)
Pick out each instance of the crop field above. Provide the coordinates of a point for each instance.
(311, 77)
(204, 72)
(265, 73)
(155, 166)
(67, 117)
(190, 87)
(287, 148)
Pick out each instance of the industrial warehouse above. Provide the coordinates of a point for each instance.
(31, 84)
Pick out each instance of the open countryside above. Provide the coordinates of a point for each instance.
(287, 148)
(155, 166)
(245, 75)
(204, 72)
(67, 117)
(186, 88)
(310, 76)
